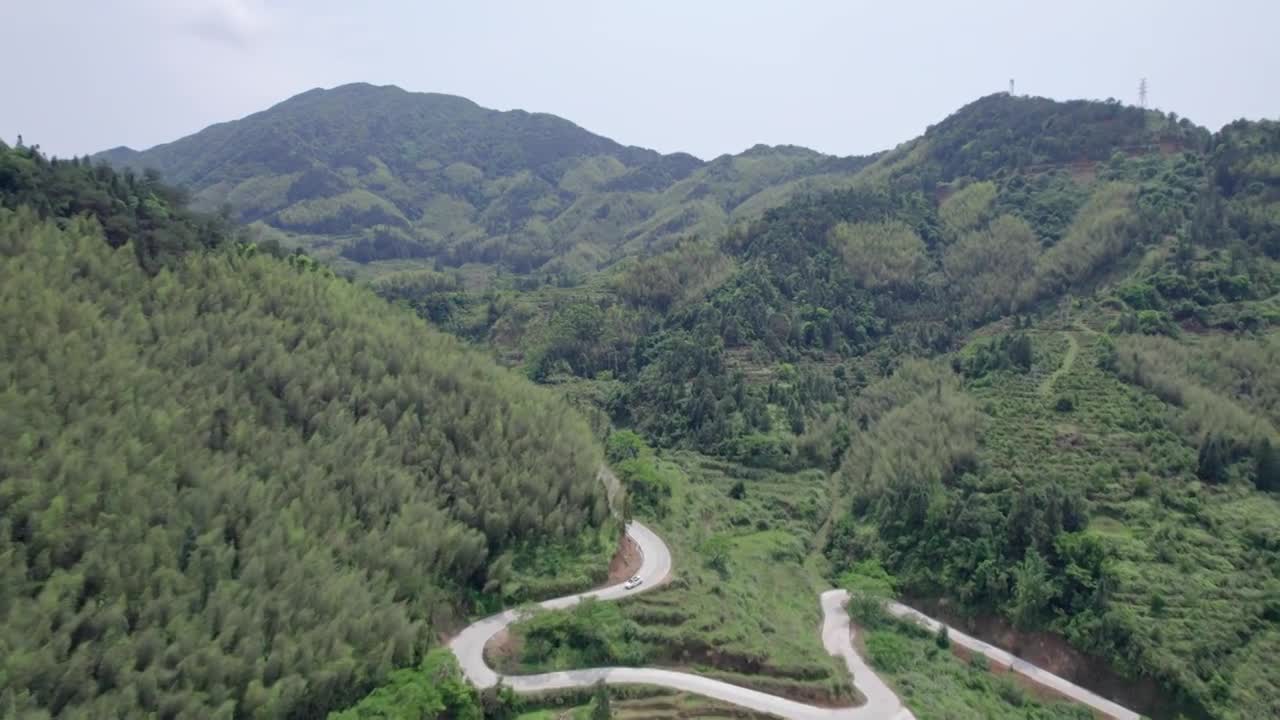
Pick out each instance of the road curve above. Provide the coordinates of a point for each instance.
(837, 638)
(881, 703)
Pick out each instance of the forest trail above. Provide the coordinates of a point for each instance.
(1068, 361)
(837, 638)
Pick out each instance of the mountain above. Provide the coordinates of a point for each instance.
(234, 485)
(371, 173)
(1047, 380)
(1020, 369)
(1036, 347)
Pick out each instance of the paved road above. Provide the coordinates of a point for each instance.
(468, 646)
(837, 638)
(881, 703)
(1035, 674)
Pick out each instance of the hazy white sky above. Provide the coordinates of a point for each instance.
(704, 77)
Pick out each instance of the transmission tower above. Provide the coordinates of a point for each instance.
(1142, 93)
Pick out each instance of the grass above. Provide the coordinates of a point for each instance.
(754, 620)
(656, 706)
(756, 616)
(926, 672)
(547, 571)
(742, 605)
(936, 684)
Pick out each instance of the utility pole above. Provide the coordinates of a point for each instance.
(1142, 93)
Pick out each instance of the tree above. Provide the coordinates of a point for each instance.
(716, 550)
(1266, 466)
(881, 254)
(623, 445)
(1033, 590)
(600, 706)
(990, 270)
(1214, 457)
(238, 391)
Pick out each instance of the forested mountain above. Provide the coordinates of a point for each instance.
(1038, 347)
(900, 262)
(1034, 351)
(231, 484)
(376, 173)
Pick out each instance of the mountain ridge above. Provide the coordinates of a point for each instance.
(361, 174)
(445, 177)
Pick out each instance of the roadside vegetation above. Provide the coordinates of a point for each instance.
(923, 669)
(741, 605)
(660, 705)
(1129, 525)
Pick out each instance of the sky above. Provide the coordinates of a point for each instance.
(700, 76)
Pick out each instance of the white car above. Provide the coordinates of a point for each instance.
(634, 582)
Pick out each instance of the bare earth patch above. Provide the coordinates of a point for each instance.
(626, 562)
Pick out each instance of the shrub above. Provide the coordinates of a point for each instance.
(867, 610)
(623, 445)
(869, 577)
(889, 652)
(943, 637)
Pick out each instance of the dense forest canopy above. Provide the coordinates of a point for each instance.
(233, 485)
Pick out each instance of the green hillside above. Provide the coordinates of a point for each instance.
(1036, 346)
(1022, 367)
(232, 485)
(360, 174)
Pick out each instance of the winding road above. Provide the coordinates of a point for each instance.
(837, 638)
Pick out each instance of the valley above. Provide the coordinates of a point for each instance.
(874, 698)
(296, 436)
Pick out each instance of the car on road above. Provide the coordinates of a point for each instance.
(634, 582)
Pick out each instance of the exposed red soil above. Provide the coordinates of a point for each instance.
(626, 561)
